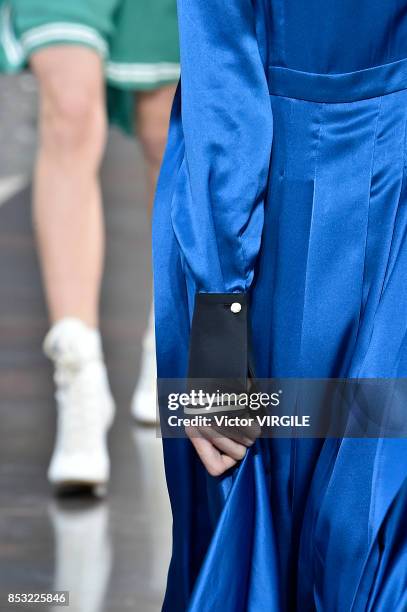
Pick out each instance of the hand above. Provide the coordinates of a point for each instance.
(221, 449)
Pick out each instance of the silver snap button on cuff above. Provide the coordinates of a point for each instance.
(236, 307)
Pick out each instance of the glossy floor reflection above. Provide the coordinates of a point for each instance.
(113, 554)
(110, 554)
(100, 545)
(83, 570)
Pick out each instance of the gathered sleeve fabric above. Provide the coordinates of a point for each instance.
(217, 208)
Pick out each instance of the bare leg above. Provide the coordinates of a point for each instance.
(153, 113)
(67, 203)
(68, 220)
(153, 110)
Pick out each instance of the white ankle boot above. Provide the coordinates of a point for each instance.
(85, 407)
(144, 402)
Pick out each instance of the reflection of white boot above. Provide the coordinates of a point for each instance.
(144, 403)
(83, 555)
(152, 493)
(85, 407)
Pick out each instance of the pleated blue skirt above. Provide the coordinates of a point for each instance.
(303, 524)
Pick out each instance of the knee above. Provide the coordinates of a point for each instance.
(72, 118)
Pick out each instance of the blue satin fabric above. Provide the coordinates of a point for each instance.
(285, 175)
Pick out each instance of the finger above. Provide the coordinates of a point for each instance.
(239, 435)
(246, 434)
(211, 457)
(230, 447)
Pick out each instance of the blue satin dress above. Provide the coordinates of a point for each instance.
(285, 178)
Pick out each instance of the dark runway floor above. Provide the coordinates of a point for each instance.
(112, 555)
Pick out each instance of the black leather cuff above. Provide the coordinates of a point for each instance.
(219, 344)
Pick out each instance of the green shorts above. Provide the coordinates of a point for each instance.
(137, 38)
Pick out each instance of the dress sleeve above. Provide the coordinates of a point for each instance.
(218, 204)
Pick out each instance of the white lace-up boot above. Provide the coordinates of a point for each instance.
(85, 407)
(144, 402)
